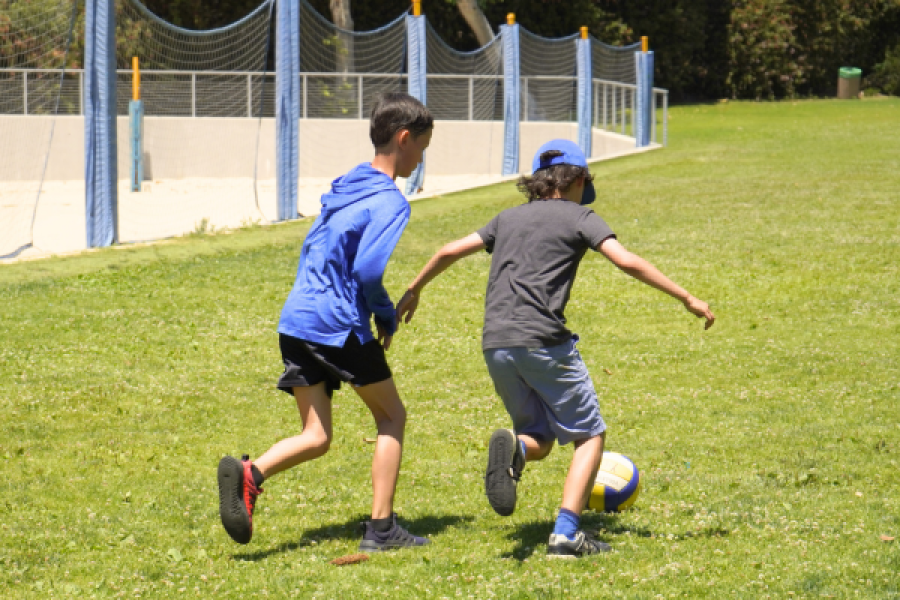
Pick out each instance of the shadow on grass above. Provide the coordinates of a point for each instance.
(604, 526)
(426, 526)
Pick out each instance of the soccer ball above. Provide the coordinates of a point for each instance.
(617, 485)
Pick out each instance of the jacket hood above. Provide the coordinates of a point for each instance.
(360, 183)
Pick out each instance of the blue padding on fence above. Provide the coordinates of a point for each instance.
(511, 93)
(643, 62)
(585, 94)
(417, 84)
(287, 108)
(100, 172)
(136, 135)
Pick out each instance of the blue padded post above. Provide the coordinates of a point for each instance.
(417, 85)
(136, 133)
(100, 172)
(584, 92)
(287, 108)
(511, 92)
(644, 109)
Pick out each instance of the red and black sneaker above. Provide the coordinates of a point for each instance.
(237, 497)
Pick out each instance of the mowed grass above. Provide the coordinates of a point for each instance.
(768, 445)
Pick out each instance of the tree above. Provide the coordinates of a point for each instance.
(343, 42)
(479, 24)
(201, 14)
(340, 14)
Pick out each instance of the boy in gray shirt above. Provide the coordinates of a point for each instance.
(530, 354)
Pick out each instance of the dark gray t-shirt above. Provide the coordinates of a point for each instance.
(536, 249)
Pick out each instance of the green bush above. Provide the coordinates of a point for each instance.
(839, 33)
(764, 60)
(886, 75)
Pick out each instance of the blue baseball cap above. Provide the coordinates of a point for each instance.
(571, 155)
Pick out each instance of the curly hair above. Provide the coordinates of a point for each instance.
(544, 182)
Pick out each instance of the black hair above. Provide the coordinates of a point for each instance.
(543, 182)
(395, 111)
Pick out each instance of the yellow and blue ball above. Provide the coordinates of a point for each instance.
(617, 485)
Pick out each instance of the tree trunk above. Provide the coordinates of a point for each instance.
(340, 16)
(479, 24)
(343, 49)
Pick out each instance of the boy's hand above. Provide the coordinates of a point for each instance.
(700, 309)
(383, 338)
(407, 306)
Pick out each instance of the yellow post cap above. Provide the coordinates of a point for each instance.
(584, 33)
(511, 18)
(645, 43)
(417, 8)
(136, 79)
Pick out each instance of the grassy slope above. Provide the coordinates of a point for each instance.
(768, 445)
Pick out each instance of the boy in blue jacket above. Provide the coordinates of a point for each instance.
(325, 333)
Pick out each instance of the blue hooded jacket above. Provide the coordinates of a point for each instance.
(338, 286)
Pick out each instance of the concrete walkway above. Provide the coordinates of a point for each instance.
(171, 208)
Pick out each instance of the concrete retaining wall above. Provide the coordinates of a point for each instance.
(179, 147)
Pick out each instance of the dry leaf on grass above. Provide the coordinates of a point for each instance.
(887, 538)
(370, 440)
(350, 559)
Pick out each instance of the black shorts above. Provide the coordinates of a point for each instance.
(308, 363)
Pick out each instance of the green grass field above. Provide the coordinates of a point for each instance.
(769, 445)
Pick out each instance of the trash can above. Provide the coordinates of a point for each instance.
(848, 83)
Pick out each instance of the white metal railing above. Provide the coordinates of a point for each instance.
(614, 104)
(613, 108)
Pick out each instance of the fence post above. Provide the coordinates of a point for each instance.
(634, 113)
(25, 92)
(250, 95)
(136, 127)
(471, 98)
(417, 83)
(100, 168)
(605, 102)
(524, 98)
(644, 93)
(612, 112)
(193, 94)
(511, 115)
(584, 90)
(305, 99)
(359, 95)
(287, 108)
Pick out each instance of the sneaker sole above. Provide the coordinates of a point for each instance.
(499, 487)
(565, 553)
(234, 515)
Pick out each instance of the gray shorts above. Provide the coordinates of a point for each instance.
(547, 391)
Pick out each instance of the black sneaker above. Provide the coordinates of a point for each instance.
(562, 547)
(395, 537)
(504, 468)
(237, 497)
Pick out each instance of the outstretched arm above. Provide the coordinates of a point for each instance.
(444, 257)
(642, 270)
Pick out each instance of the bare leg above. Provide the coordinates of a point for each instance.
(315, 411)
(582, 473)
(387, 409)
(535, 449)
